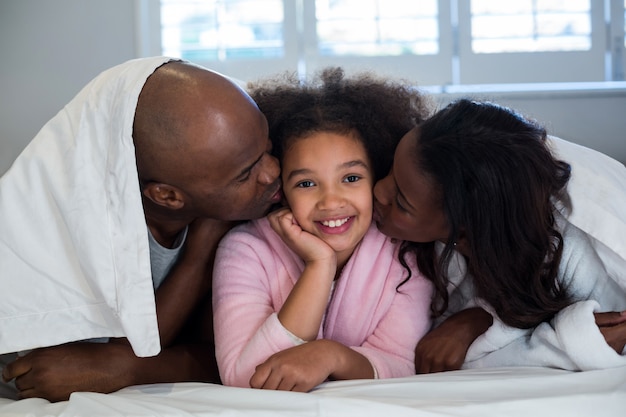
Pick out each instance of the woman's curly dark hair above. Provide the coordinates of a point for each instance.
(380, 110)
(498, 182)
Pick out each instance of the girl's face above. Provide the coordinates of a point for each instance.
(407, 205)
(327, 182)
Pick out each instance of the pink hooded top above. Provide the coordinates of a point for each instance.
(255, 272)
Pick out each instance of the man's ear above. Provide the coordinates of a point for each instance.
(164, 195)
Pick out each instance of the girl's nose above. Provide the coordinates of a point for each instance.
(330, 199)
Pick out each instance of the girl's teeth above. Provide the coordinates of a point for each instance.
(334, 223)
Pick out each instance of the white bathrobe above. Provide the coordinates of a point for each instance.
(593, 268)
(74, 257)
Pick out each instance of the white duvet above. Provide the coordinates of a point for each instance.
(497, 392)
(74, 257)
(572, 339)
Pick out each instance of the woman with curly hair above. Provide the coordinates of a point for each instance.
(314, 291)
(473, 192)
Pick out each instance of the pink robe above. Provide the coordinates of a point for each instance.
(255, 272)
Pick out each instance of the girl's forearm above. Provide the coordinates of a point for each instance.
(348, 363)
(305, 306)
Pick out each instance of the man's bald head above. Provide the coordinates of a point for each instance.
(201, 146)
(174, 99)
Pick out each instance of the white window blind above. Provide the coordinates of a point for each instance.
(530, 26)
(221, 30)
(431, 42)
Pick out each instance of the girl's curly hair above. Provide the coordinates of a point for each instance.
(381, 110)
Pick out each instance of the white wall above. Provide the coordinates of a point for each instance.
(592, 117)
(51, 48)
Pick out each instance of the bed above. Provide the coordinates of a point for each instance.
(94, 306)
(522, 391)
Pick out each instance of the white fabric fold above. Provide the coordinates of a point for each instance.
(74, 256)
(572, 339)
(597, 189)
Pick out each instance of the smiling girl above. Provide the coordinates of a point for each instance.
(314, 291)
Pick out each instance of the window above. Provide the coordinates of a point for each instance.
(220, 30)
(530, 26)
(375, 28)
(431, 42)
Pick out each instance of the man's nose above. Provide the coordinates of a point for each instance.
(270, 170)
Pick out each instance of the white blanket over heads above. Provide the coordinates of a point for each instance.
(74, 256)
(597, 189)
(572, 340)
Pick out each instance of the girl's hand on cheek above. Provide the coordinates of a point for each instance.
(308, 246)
(304, 308)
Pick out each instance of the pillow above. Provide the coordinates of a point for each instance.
(597, 190)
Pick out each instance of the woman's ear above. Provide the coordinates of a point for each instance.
(462, 245)
(164, 195)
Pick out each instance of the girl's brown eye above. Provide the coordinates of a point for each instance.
(305, 184)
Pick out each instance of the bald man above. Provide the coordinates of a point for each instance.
(202, 164)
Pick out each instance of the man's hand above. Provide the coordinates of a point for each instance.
(55, 372)
(445, 347)
(613, 327)
(204, 235)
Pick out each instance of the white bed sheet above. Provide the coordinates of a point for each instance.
(493, 392)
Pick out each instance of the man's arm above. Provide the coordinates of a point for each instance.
(54, 373)
(190, 279)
